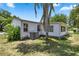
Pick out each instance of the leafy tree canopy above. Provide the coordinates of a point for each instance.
(5, 17)
(74, 15)
(58, 18)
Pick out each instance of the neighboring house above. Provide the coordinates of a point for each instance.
(35, 29)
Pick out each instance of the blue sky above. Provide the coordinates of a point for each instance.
(26, 10)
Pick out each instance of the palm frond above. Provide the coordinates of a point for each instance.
(35, 9)
(50, 11)
(36, 5)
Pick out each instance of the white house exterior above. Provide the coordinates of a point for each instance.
(27, 28)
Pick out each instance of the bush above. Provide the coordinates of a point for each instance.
(13, 32)
(74, 31)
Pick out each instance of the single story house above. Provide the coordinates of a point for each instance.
(35, 29)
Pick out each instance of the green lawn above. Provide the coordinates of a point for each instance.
(38, 47)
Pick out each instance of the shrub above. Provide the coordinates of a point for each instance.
(13, 32)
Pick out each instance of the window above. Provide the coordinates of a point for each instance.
(51, 29)
(38, 28)
(62, 28)
(25, 27)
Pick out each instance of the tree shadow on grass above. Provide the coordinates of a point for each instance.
(55, 48)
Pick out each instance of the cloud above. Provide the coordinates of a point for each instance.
(74, 5)
(68, 7)
(10, 5)
(55, 5)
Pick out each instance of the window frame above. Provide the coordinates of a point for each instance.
(63, 28)
(51, 28)
(25, 27)
(38, 27)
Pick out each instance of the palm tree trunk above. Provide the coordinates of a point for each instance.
(46, 21)
(46, 27)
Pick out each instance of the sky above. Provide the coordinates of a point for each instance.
(26, 10)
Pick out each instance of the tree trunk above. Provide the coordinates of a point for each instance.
(46, 35)
(46, 21)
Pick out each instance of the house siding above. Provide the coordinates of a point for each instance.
(16, 22)
(56, 31)
(32, 27)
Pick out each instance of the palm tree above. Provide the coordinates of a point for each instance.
(47, 10)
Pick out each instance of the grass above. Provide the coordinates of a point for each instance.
(38, 47)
